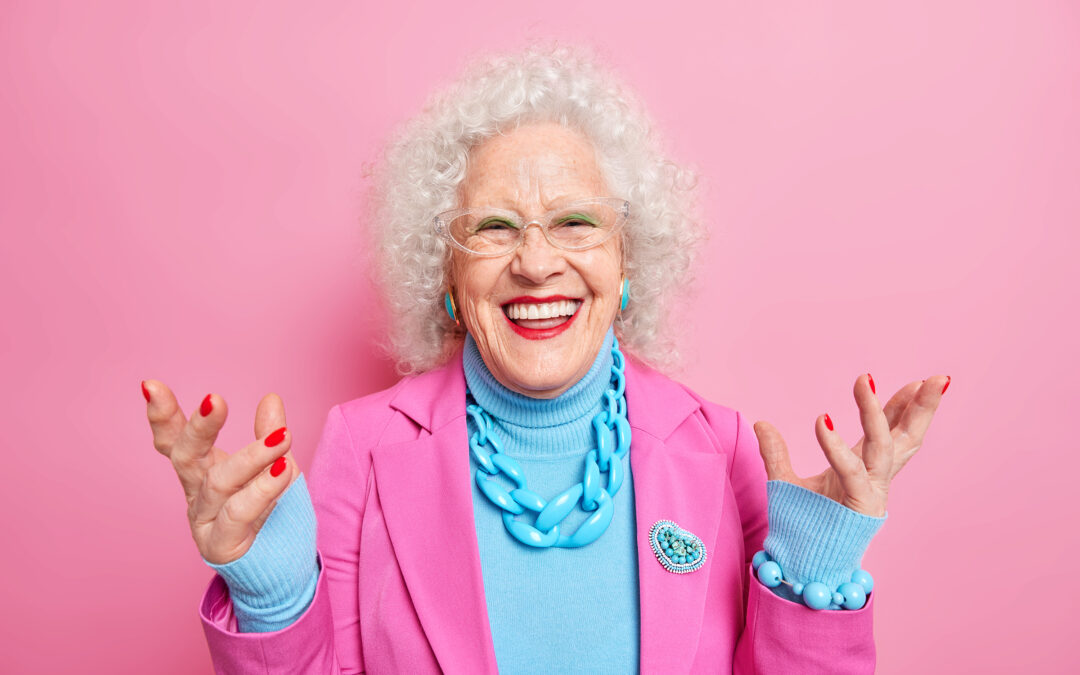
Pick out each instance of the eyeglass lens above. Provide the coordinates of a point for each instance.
(494, 231)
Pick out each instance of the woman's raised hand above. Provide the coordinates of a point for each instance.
(859, 477)
(229, 497)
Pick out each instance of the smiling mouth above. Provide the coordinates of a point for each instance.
(535, 317)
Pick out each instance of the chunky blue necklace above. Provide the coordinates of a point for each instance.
(612, 439)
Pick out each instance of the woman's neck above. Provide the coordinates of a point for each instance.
(541, 428)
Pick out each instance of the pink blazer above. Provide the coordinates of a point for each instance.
(400, 588)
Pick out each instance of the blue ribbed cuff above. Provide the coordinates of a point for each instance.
(813, 538)
(273, 584)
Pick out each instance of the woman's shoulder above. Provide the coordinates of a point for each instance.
(666, 404)
(361, 408)
(422, 400)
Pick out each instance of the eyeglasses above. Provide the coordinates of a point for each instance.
(489, 232)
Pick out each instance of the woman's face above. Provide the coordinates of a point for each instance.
(532, 170)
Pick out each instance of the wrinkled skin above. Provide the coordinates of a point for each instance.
(532, 170)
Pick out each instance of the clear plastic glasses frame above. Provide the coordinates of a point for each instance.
(504, 217)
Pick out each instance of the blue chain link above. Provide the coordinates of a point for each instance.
(544, 533)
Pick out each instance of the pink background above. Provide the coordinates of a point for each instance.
(892, 188)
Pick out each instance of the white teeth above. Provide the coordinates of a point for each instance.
(544, 310)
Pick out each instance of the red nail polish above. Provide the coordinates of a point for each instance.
(207, 407)
(828, 421)
(947, 383)
(275, 438)
(872, 387)
(145, 392)
(278, 467)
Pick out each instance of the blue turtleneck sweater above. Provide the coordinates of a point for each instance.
(542, 603)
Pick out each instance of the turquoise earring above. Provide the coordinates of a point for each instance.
(451, 309)
(625, 294)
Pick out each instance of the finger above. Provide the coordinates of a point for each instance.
(192, 453)
(847, 466)
(269, 415)
(167, 420)
(894, 409)
(877, 450)
(258, 523)
(774, 453)
(224, 479)
(236, 520)
(909, 433)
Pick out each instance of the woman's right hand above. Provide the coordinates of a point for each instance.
(229, 497)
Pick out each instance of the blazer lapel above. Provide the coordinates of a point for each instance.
(670, 483)
(426, 498)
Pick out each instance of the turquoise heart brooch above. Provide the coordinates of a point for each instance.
(676, 549)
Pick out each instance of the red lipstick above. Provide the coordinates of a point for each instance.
(540, 333)
(531, 300)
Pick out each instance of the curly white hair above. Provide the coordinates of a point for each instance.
(425, 161)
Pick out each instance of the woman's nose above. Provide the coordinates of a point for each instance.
(536, 259)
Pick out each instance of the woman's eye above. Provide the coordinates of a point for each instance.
(575, 223)
(493, 225)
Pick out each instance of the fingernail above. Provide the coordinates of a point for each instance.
(278, 467)
(275, 438)
(207, 407)
(828, 421)
(947, 383)
(872, 387)
(145, 391)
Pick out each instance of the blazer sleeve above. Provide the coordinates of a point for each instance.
(326, 637)
(781, 636)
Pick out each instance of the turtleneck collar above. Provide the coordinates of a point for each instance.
(556, 427)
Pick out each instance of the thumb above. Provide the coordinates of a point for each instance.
(774, 453)
(269, 415)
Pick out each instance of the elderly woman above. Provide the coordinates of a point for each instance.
(534, 497)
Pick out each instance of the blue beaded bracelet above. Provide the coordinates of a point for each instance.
(815, 594)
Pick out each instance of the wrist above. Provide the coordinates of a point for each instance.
(814, 538)
(281, 563)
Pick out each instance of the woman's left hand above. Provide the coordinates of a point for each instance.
(859, 477)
